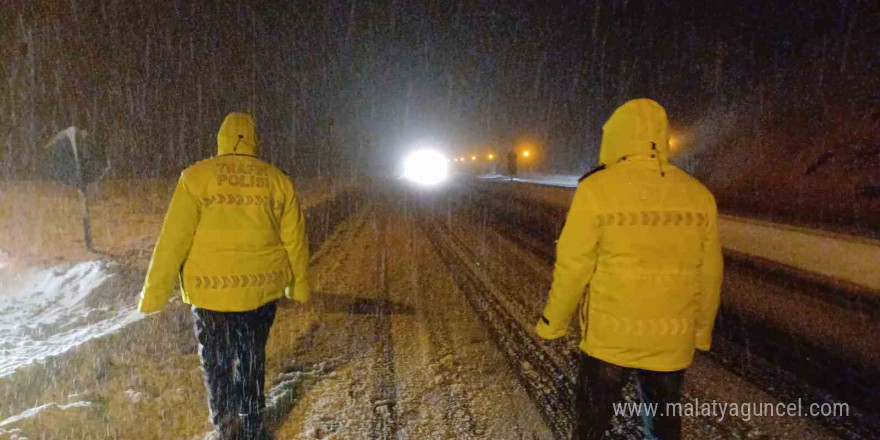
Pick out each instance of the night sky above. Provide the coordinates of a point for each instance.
(341, 87)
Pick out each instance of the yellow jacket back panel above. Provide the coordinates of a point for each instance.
(234, 234)
(643, 235)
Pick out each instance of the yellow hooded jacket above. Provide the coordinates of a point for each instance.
(643, 235)
(234, 234)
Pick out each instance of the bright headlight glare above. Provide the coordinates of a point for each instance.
(425, 167)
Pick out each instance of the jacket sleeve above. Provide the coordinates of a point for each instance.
(293, 235)
(171, 249)
(575, 264)
(711, 273)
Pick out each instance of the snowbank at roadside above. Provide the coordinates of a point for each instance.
(848, 258)
(560, 180)
(33, 412)
(47, 311)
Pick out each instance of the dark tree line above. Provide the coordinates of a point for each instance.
(335, 84)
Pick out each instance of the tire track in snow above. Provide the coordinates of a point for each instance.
(457, 414)
(545, 383)
(383, 425)
(350, 272)
(369, 412)
(516, 261)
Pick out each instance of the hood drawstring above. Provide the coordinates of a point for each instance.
(657, 155)
(235, 147)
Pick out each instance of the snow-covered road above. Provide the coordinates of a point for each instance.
(413, 359)
(421, 327)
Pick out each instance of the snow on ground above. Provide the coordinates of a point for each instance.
(68, 324)
(32, 412)
(46, 312)
(560, 180)
(840, 256)
(409, 359)
(389, 343)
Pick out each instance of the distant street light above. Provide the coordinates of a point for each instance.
(491, 156)
(474, 157)
(526, 153)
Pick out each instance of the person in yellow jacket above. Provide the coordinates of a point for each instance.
(642, 234)
(234, 236)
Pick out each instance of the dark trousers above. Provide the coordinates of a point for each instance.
(599, 386)
(232, 346)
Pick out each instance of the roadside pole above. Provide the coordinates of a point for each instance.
(77, 165)
(81, 188)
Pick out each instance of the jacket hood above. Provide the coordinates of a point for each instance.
(237, 135)
(637, 128)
